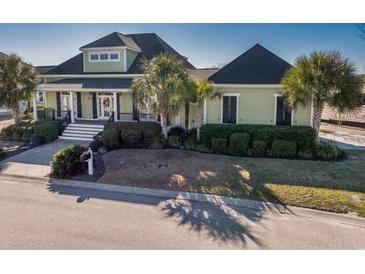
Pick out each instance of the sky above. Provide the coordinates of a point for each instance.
(205, 45)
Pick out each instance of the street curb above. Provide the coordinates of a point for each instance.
(217, 199)
(171, 194)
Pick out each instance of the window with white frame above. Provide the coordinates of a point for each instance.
(40, 97)
(229, 109)
(104, 57)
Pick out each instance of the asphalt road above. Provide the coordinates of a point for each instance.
(36, 215)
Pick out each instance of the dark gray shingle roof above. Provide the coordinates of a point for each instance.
(257, 65)
(150, 45)
(44, 69)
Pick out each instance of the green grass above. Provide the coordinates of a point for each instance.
(333, 186)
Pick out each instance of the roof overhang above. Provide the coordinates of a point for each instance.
(110, 48)
(78, 88)
(90, 75)
(248, 85)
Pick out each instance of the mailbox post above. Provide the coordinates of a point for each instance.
(87, 156)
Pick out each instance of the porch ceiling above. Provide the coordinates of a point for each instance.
(89, 83)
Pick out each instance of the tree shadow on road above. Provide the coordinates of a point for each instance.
(217, 221)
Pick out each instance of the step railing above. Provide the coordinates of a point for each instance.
(65, 120)
(111, 118)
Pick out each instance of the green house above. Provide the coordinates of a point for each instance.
(94, 87)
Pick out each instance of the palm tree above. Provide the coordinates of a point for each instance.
(323, 78)
(188, 95)
(204, 90)
(17, 82)
(159, 89)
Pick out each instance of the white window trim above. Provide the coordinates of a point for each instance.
(103, 52)
(228, 95)
(275, 110)
(38, 97)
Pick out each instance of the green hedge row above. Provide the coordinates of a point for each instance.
(303, 136)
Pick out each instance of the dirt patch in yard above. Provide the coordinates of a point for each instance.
(315, 184)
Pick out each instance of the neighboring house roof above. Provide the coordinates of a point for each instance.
(150, 45)
(114, 39)
(257, 65)
(202, 74)
(2, 54)
(44, 69)
(99, 83)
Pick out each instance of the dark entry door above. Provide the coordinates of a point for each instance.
(283, 112)
(230, 109)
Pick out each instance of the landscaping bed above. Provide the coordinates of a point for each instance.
(334, 186)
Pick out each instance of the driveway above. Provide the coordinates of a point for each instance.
(343, 136)
(36, 215)
(34, 162)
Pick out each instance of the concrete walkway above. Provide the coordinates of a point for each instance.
(343, 136)
(34, 162)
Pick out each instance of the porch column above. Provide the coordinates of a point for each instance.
(115, 108)
(35, 114)
(72, 107)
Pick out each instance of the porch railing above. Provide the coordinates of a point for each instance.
(65, 120)
(128, 116)
(46, 114)
(111, 118)
(147, 117)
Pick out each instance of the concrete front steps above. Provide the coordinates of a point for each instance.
(81, 132)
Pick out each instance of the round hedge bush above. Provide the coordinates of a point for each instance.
(239, 143)
(48, 131)
(66, 162)
(284, 149)
(111, 138)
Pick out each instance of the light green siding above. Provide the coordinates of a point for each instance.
(192, 113)
(255, 106)
(126, 102)
(51, 99)
(86, 105)
(106, 66)
(302, 116)
(131, 55)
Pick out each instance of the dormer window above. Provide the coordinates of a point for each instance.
(104, 57)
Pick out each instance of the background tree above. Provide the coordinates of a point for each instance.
(204, 90)
(326, 78)
(159, 89)
(17, 82)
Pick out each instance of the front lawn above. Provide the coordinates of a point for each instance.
(333, 186)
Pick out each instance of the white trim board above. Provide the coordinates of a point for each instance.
(109, 48)
(90, 75)
(247, 85)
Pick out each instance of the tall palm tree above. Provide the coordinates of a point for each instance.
(204, 90)
(188, 95)
(159, 89)
(17, 82)
(323, 78)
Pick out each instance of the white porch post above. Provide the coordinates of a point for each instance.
(72, 107)
(115, 106)
(35, 114)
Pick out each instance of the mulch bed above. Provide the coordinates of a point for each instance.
(99, 170)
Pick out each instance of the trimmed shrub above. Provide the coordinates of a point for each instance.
(219, 145)
(202, 148)
(37, 140)
(259, 148)
(111, 138)
(174, 141)
(17, 132)
(131, 137)
(239, 143)
(284, 149)
(191, 142)
(306, 154)
(47, 130)
(66, 162)
(303, 136)
(176, 131)
(94, 145)
(156, 143)
(98, 136)
(148, 129)
(326, 152)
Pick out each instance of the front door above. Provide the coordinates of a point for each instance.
(66, 104)
(106, 103)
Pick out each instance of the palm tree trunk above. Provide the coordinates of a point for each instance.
(317, 116)
(187, 110)
(199, 121)
(164, 119)
(15, 113)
